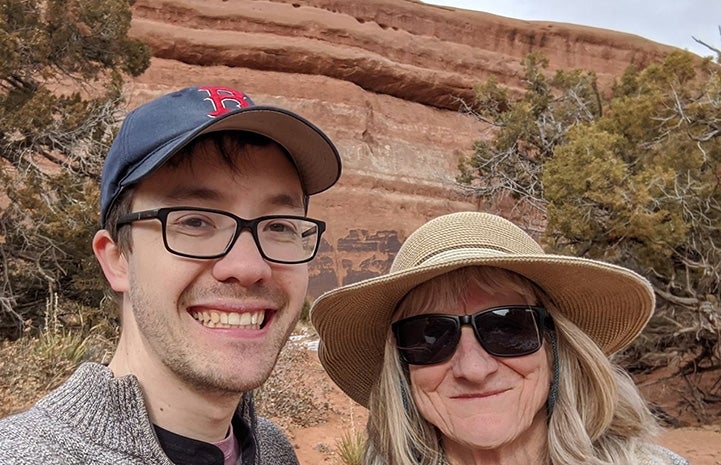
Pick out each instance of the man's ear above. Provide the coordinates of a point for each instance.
(112, 261)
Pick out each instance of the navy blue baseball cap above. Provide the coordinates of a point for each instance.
(152, 133)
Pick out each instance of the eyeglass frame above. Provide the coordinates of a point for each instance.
(241, 224)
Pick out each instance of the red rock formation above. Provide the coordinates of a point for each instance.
(384, 79)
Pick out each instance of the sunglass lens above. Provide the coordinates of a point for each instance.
(508, 332)
(426, 339)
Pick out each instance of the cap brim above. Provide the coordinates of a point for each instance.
(609, 303)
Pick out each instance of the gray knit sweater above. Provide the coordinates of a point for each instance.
(95, 418)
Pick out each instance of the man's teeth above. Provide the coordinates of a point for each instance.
(216, 319)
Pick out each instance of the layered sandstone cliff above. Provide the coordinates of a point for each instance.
(384, 78)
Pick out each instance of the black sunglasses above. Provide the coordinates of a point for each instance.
(510, 331)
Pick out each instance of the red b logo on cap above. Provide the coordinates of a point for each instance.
(225, 99)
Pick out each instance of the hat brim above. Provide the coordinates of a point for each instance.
(609, 303)
(315, 157)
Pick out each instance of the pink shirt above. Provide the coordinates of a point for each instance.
(229, 447)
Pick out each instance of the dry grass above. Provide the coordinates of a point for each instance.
(350, 448)
(41, 360)
(33, 365)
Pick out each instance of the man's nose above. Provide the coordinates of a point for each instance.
(243, 262)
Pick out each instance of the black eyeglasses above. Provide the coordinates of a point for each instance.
(510, 331)
(206, 233)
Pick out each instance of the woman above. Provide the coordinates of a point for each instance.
(478, 347)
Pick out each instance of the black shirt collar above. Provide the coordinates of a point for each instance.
(186, 451)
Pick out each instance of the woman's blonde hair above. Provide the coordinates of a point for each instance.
(599, 417)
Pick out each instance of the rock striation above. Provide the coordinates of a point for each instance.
(386, 79)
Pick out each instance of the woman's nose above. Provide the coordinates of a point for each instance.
(470, 360)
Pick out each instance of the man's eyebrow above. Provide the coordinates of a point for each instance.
(193, 193)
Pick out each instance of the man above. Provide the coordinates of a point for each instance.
(205, 239)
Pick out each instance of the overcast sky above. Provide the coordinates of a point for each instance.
(671, 22)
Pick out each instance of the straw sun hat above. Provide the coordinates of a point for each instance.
(609, 303)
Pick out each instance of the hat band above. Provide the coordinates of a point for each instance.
(462, 253)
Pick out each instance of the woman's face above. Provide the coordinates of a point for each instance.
(482, 402)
